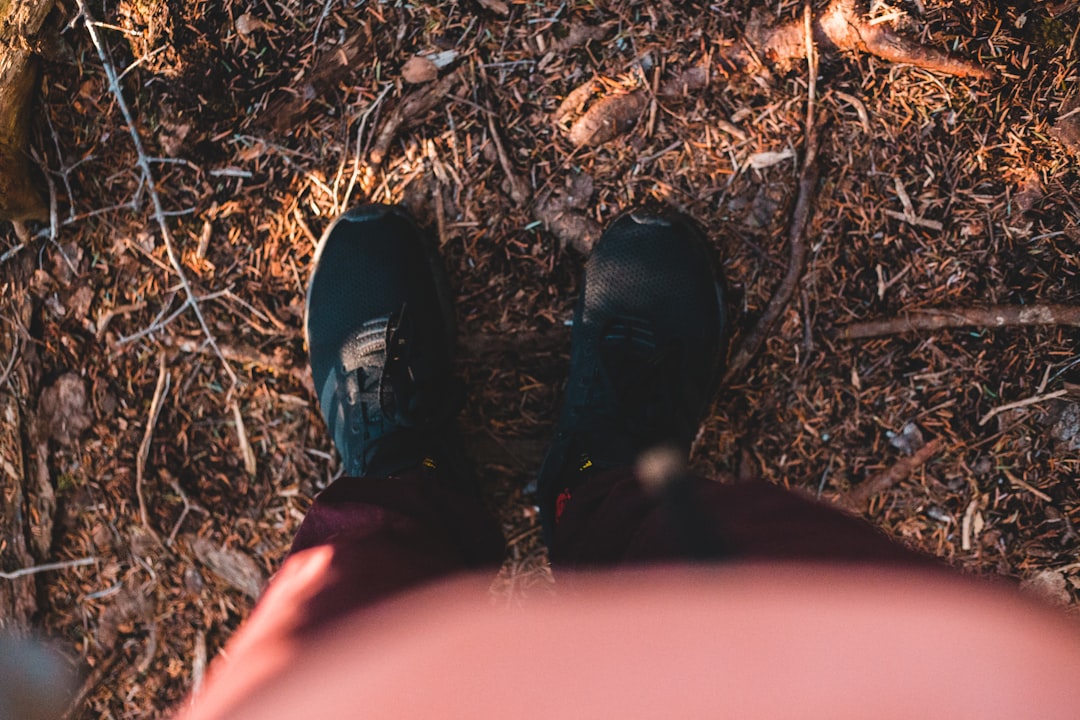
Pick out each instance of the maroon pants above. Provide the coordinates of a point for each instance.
(391, 534)
(365, 540)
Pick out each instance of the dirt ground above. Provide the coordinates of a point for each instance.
(183, 471)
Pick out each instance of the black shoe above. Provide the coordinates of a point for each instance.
(647, 348)
(379, 327)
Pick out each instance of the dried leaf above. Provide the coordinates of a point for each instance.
(909, 440)
(232, 566)
(1066, 129)
(607, 119)
(762, 160)
(1048, 585)
(442, 59)
(418, 70)
(63, 410)
(496, 6)
(247, 24)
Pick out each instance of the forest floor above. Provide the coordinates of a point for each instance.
(183, 471)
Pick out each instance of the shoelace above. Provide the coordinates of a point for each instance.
(383, 387)
(643, 374)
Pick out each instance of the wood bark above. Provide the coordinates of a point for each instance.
(18, 597)
(20, 22)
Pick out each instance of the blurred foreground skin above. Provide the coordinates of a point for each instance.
(762, 640)
(677, 597)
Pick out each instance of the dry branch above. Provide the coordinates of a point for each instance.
(19, 23)
(410, 109)
(151, 186)
(995, 316)
(800, 219)
(857, 498)
(160, 389)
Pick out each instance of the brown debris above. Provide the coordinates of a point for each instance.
(64, 412)
(290, 105)
(579, 34)
(18, 597)
(498, 6)
(563, 213)
(20, 199)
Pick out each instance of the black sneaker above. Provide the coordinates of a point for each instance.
(646, 353)
(379, 327)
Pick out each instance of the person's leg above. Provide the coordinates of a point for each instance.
(648, 344)
(379, 329)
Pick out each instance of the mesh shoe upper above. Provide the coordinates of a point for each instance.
(648, 337)
(379, 328)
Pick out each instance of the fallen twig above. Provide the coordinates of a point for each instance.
(411, 109)
(188, 507)
(46, 567)
(1021, 403)
(148, 177)
(994, 316)
(856, 499)
(161, 388)
(519, 191)
(242, 437)
(800, 219)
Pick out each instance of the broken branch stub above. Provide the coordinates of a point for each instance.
(842, 25)
(845, 25)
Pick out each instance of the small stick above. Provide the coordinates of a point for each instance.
(90, 684)
(857, 498)
(519, 192)
(46, 567)
(1021, 403)
(148, 177)
(992, 317)
(16, 347)
(1018, 483)
(144, 447)
(410, 110)
(241, 436)
(188, 507)
(804, 207)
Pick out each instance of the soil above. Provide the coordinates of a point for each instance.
(262, 118)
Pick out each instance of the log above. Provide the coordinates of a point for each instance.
(20, 22)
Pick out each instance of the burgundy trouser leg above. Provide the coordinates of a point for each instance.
(363, 541)
(611, 518)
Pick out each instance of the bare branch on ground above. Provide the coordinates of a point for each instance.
(151, 186)
(160, 389)
(800, 219)
(857, 498)
(995, 316)
(1020, 404)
